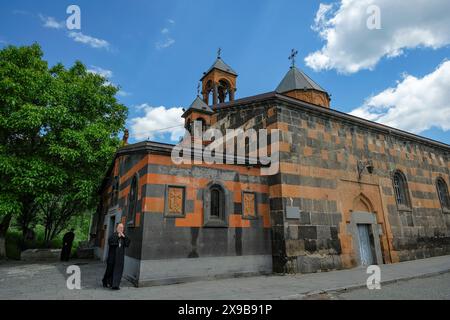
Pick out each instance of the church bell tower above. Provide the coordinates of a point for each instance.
(219, 82)
(296, 84)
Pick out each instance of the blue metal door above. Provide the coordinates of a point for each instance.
(365, 249)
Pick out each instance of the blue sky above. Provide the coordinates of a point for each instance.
(157, 51)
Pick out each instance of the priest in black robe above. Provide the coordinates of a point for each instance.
(67, 245)
(117, 242)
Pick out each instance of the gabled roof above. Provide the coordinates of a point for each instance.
(296, 79)
(220, 65)
(199, 105)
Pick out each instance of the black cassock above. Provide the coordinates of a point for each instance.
(67, 245)
(115, 261)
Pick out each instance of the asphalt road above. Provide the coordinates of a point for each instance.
(430, 288)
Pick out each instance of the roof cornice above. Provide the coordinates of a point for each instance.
(291, 102)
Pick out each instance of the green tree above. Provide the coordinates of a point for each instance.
(58, 132)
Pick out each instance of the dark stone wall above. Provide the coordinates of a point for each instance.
(163, 240)
(318, 141)
(262, 116)
(123, 166)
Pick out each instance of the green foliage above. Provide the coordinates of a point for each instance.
(58, 132)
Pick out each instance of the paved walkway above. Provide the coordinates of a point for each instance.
(48, 281)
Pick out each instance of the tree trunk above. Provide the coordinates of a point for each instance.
(27, 216)
(4, 225)
(2, 247)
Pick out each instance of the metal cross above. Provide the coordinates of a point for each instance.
(292, 56)
(219, 51)
(198, 89)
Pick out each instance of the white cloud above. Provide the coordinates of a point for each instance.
(122, 93)
(107, 74)
(100, 71)
(167, 41)
(50, 22)
(158, 121)
(415, 104)
(321, 16)
(351, 46)
(164, 44)
(91, 41)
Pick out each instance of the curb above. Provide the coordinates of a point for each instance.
(359, 286)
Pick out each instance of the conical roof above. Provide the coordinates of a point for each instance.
(200, 105)
(221, 65)
(296, 79)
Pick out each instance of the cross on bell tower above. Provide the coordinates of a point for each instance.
(292, 57)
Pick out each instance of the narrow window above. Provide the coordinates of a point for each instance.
(203, 123)
(115, 192)
(442, 191)
(132, 204)
(401, 190)
(217, 202)
(215, 206)
(189, 126)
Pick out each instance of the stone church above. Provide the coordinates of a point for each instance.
(348, 192)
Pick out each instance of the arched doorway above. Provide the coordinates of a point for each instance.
(366, 244)
(366, 232)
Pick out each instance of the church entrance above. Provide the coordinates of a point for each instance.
(110, 230)
(112, 226)
(367, 232)
(366, 244)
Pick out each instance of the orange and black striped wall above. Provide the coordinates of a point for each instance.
(172, 214)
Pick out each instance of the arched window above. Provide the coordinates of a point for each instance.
(217, 202)
(188, 126)
(209, 93)
(215, 206)
(115, 192)
(133, 197)
(223, 90)
(203, 123)
(442, 191)
(401, 190)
